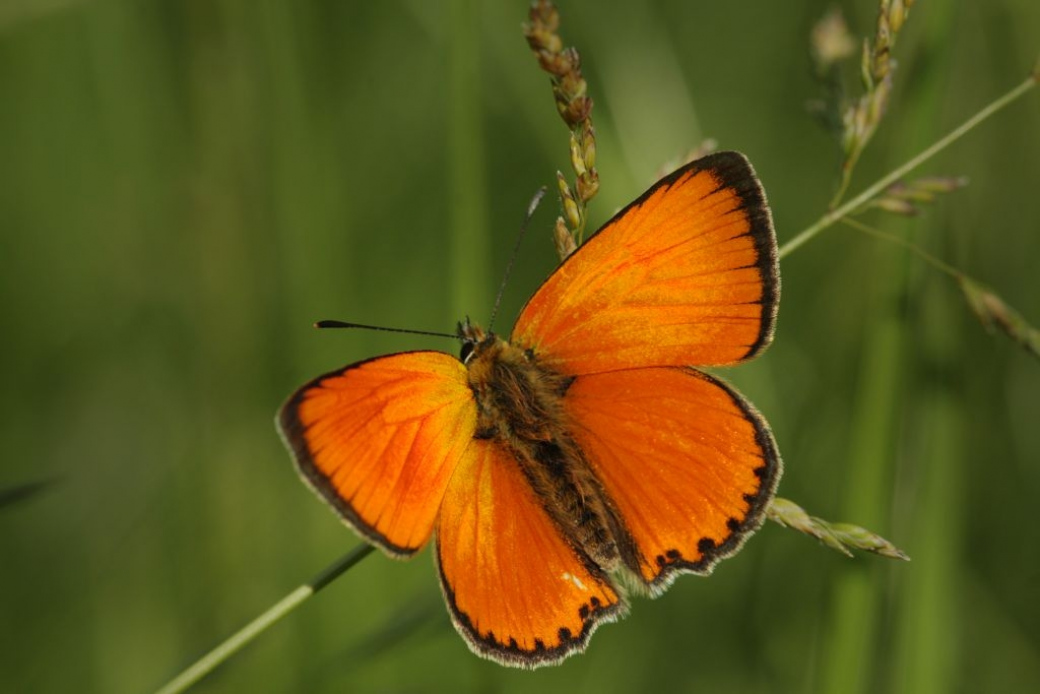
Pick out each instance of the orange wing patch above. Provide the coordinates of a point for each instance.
(517, 591)
(686, 274)
(380, 439)
(689, 464)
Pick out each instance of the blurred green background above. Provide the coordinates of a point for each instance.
(186, 185)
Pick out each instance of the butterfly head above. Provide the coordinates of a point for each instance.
(474, 340)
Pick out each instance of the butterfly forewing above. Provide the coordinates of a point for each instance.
(686, 274)
(380, 439)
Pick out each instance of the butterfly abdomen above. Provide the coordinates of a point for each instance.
(520, 407)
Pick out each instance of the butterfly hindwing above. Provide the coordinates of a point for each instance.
(686, 274)
(517, 590)
(688, 463)
(380, 439)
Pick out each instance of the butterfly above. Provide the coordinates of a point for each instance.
(587, 456)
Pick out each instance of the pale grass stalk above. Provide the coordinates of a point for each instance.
(884, 182)
(234, 643)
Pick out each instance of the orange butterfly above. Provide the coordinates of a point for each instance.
(585, 452)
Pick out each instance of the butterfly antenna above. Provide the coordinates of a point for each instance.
(342, 324)
(535, 201)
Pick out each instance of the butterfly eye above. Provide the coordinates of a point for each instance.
(466, 352)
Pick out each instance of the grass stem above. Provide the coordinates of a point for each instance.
(207, 663)
(924, 255)
(885, 181)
